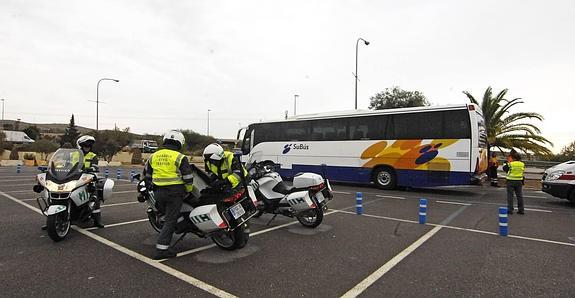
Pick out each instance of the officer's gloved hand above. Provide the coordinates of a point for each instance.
(218, 184)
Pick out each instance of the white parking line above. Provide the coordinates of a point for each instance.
(372, 278)
(30, 179)
(341, 192)
(119, 204)
(535, 197)
(169, 270)
(124, 191)
(538, 210)
(391, 197)
(118, 224)
(453, 203)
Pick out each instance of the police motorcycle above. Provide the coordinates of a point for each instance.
(67, 193)
(306, 200)
(221, 218)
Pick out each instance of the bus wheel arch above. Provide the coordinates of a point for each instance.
(384, 177)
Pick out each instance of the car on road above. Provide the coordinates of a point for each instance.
(559, 181)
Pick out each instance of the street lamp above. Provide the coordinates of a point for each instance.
(97, 96)
(2, 108)
(209, 122)
(355, 74)
(294, 103)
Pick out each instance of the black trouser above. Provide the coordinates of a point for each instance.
(169, 201)
(517, 187)
(492, 173)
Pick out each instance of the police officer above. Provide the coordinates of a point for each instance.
(170, 173)
(515, 169)
(493, 164)
(90, 162)
(224, 168)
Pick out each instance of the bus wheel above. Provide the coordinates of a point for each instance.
(384, 178)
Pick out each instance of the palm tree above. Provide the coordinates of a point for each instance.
(510, 130)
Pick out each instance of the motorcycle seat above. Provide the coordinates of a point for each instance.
(285, 190)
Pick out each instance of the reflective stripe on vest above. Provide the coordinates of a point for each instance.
(88, 159)
(166, 167)
(516, 170)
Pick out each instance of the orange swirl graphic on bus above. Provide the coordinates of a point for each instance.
(408, 155)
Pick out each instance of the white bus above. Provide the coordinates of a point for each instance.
(417, 147)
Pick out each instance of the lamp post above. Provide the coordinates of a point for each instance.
(294, 103)
(356, 47)
(97, 96)
(2, 108)
(209, 122)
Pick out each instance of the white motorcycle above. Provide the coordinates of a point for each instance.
(306, 200)
(222, 219)
(67, 192)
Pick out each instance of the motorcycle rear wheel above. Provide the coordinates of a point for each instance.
(312, 218)
(58, 226)
(230, 240)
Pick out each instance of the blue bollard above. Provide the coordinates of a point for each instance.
(18, 168)
(106, 173)
(503, 221)
(118, 174)
(422, 211)
(358, 203)
(132, 174)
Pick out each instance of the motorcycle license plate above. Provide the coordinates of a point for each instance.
(237, 211)
(319, 197)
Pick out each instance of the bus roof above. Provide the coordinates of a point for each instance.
(352, 113)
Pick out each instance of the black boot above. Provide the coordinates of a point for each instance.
(164, 254)
(97, 220)
(44, 227)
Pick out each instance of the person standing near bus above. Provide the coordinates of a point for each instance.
(515, 169)
(493, 164)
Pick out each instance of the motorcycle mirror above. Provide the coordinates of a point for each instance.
(42, 168)
(137, 176)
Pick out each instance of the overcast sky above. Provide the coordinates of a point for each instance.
(245, 60)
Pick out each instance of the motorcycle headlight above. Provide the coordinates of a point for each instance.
(66, 187)
(554, 175)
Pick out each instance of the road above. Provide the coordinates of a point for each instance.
(384, 252)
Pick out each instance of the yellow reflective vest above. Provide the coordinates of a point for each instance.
(226, 170)
(88, 159)
(166, 168)
(516, 170)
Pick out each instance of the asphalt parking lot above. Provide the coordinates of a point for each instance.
(384, 252)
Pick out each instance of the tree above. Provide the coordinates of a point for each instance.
(32, 131)
(2, 142)
(71, 133)
(196, 142)
(510, 130)
(397, 98)
(568, 152)
(110, 142)
(43, 146)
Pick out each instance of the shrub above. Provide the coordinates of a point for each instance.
(136, 156)
(14, 153)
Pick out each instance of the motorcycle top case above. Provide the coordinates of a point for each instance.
(207, 218)
(304, 180)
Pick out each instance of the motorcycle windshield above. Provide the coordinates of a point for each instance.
(66, 164)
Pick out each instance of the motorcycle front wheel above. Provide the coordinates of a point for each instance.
(230, 240)
(58, 226)
(155, 221)
(311, 218)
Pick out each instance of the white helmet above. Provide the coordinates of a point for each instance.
(175, 136)
(214, 152)
(86, 141)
